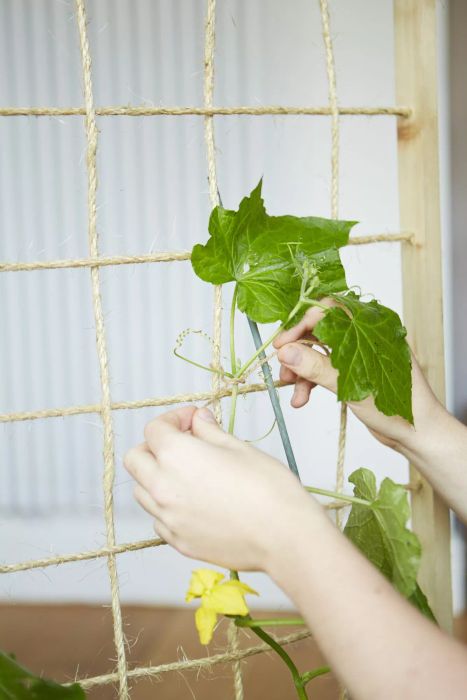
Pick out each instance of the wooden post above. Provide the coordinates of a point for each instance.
(416, 87)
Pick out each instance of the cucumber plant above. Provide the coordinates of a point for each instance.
(281, 266)
(17, 683)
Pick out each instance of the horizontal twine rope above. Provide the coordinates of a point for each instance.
(80, 556)
(211, 396)
(150, 111)
(188, 664)
(123, 405)
(167, 256)
(136, 546)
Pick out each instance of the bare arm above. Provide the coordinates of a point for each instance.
(437, 443)
(376, 642)
(440, 454)
(212, 497)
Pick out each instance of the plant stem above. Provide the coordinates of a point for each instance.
(298, 682)
(233, 408)
(268, 342)
(314, 302)
(299, 305)
(233, 397)
(272, 622)
(265, 434)
(309, 675)
(234, 574)
(274, 400)
(233, 357)
(208, 369)
(339, 496)
(233, 363)
(256, 625)
(259, 350)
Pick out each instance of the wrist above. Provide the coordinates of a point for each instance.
(428, 414)
(300, 525)
(427, 438)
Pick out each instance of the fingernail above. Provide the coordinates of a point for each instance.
(290, 355)
(206, 414)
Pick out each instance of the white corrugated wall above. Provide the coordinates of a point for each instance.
(153, 196)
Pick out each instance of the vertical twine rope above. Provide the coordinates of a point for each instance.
(106, 411)
(232, 637)
(209, 51)
(331, 73)
(332, 89)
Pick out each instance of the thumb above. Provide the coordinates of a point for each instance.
(309, 364)
(205, 427)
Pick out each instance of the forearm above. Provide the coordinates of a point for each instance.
(374, 640)
(439, 452)
(436, 444)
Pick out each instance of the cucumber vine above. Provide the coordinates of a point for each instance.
(281, 266)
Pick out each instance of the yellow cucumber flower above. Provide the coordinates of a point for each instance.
(217, 597)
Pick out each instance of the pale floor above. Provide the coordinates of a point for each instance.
(56, 640)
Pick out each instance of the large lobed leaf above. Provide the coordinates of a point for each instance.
(380, 532)
(371, 354)
(269, 257)
(265, 254)
(17, 683)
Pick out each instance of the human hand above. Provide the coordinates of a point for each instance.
(307, 367)
(214, 497)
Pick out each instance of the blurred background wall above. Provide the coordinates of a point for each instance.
(153, 196)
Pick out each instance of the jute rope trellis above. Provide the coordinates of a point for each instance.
(209, 52)
(116, 549)
(254, 111)
(166, 256)
(332, 88)
(195, 664)
(106, 409)
(106, 406)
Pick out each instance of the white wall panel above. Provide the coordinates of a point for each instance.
(152, 196)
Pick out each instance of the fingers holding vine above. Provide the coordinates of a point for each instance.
(306, 372)
(305, 327)
(302, 392)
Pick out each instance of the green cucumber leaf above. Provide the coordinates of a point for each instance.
(380, 532)
(267, 256)
(17, 683)
(369, 350)
(419, 599)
